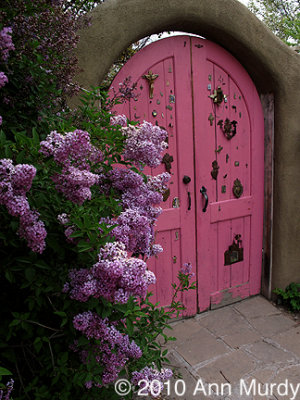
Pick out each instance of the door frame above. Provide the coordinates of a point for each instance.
(267, 102)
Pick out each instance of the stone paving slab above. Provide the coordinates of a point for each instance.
(251, 340)
(224, 369)
(200, 347)
(256, 307)
(271, 324)
(289, 340)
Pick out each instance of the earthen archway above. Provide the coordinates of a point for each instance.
(273, 67)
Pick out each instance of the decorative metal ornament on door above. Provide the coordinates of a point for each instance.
(229, 128)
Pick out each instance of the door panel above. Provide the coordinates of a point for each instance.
(189, 69)
(170, 109)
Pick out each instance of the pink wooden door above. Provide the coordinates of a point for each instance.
(214, 154)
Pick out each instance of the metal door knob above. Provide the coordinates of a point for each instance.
(186, 179)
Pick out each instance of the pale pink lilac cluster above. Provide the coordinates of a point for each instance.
(15, 182)
(144, 143)
(113, 348)
(115, 277)
(119, 119)
(151, 379)
(75, 153)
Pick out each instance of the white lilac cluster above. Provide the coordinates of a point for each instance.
(115, 277)
(144, 143)
(75, 153)
(15, 182)
(151, 379)
(136, 223)
(113, 348)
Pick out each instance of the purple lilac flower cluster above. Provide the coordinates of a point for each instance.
(113, 349)
(186, 270)
(9, 389)
(3, 79)
(75, 153)
(144, 143)
(64, 221)
(15, 182)
(136, 222)
(6, 45)
(154, 378)
(114, 277)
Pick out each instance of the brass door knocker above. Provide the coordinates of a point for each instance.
(229, 128)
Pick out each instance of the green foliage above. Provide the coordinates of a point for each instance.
(281, 16)
(290, 297)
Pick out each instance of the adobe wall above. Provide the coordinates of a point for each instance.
(273, 67)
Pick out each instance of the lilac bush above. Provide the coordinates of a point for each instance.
(87, 214)
(69, 189)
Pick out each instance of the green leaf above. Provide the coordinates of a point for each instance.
(30, 274)
(129, 327)
(4, 371)
(60, 313)
(35, 137)
(37, 344)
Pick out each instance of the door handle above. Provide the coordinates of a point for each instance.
(186, 180)
(203, 191)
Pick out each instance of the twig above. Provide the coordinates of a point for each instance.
(52, 357)
(54, 308)
(21, 380)
(55, 336)
(43, 326)
(27, 362)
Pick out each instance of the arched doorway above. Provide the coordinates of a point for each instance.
(212, 112)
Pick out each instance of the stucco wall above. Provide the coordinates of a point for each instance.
(272, 65)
